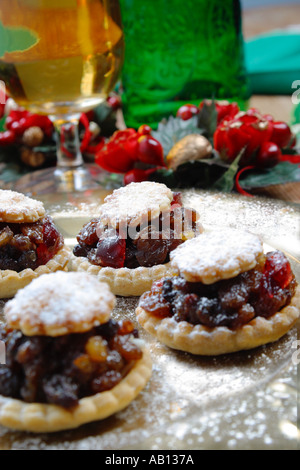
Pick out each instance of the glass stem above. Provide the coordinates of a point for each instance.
(68, 143)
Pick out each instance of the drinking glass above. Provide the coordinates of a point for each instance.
(61, 58)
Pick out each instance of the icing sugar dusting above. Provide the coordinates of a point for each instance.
(60, 303)
(16, 207)
(131, 202)
(216, 255)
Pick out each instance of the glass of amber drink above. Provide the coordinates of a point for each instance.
(61, 58)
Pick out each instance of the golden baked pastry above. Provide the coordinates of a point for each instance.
(30, 244)
(227, 296)
(17, 208)
(129, 244)
(70, 364)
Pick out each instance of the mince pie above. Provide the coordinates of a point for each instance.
(228, 295)
(67, 361)
(30, 244)
(129, 244)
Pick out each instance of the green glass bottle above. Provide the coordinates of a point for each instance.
(180, 52)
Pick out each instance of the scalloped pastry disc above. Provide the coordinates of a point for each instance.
(216, 255)
(17, 208)
(12, 281)
(64, 303)
(132, 203)
(198, 339)
(38, 417)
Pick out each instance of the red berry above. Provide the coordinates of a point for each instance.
(137, 175)
(177, 200)
(149, 150)
(268, 155)
(19, 127)
(7, 137)
(281, 134)
(111, 252)
(187, 111)
(144, 129)
(278, 269)
(114, 101)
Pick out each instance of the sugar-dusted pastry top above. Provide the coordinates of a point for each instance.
(60, 303)
(17, 208)
(131, 203)
(216, 255)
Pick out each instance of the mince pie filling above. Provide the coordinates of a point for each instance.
(234, 302)
(28, 245)
(104, 246)
(61, 370)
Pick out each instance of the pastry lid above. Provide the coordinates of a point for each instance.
(60, 303)
(216, 255)
(17, 208)
(132, 203)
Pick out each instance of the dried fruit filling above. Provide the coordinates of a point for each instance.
(28, 245)
(150, 246)
(64, 369)
(262, 291)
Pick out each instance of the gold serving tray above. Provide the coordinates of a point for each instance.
(246, 400)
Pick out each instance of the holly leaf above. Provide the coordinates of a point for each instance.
(16, 39)
(2, 124)
(227, 180)
(207, 119)
(282, 173)
(173, 129)
(197, 174)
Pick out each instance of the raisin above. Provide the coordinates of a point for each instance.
(88, 233)
(6, 236)
(9, 382)
(262, 291)
(106, 381)
(151, 248)
(126, 348)
(62, 370)
(61, 390)
(80, 250)
(96, 348)
(33, 231)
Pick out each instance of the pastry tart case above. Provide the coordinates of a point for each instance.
(243, 400)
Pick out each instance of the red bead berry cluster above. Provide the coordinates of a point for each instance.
(127, 149)
(19, 121)
(260, 139)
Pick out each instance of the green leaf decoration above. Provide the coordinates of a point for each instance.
(227, 180)
(174, 129)
(197, 174)
(284, 172)
(2, 124)
(16, 39)
(207, 119)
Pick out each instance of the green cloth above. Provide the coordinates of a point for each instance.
(273, 62)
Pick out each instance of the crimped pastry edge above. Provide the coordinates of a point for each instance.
(12, 281)
(40, 418)
(124, 282)
(200, 340)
